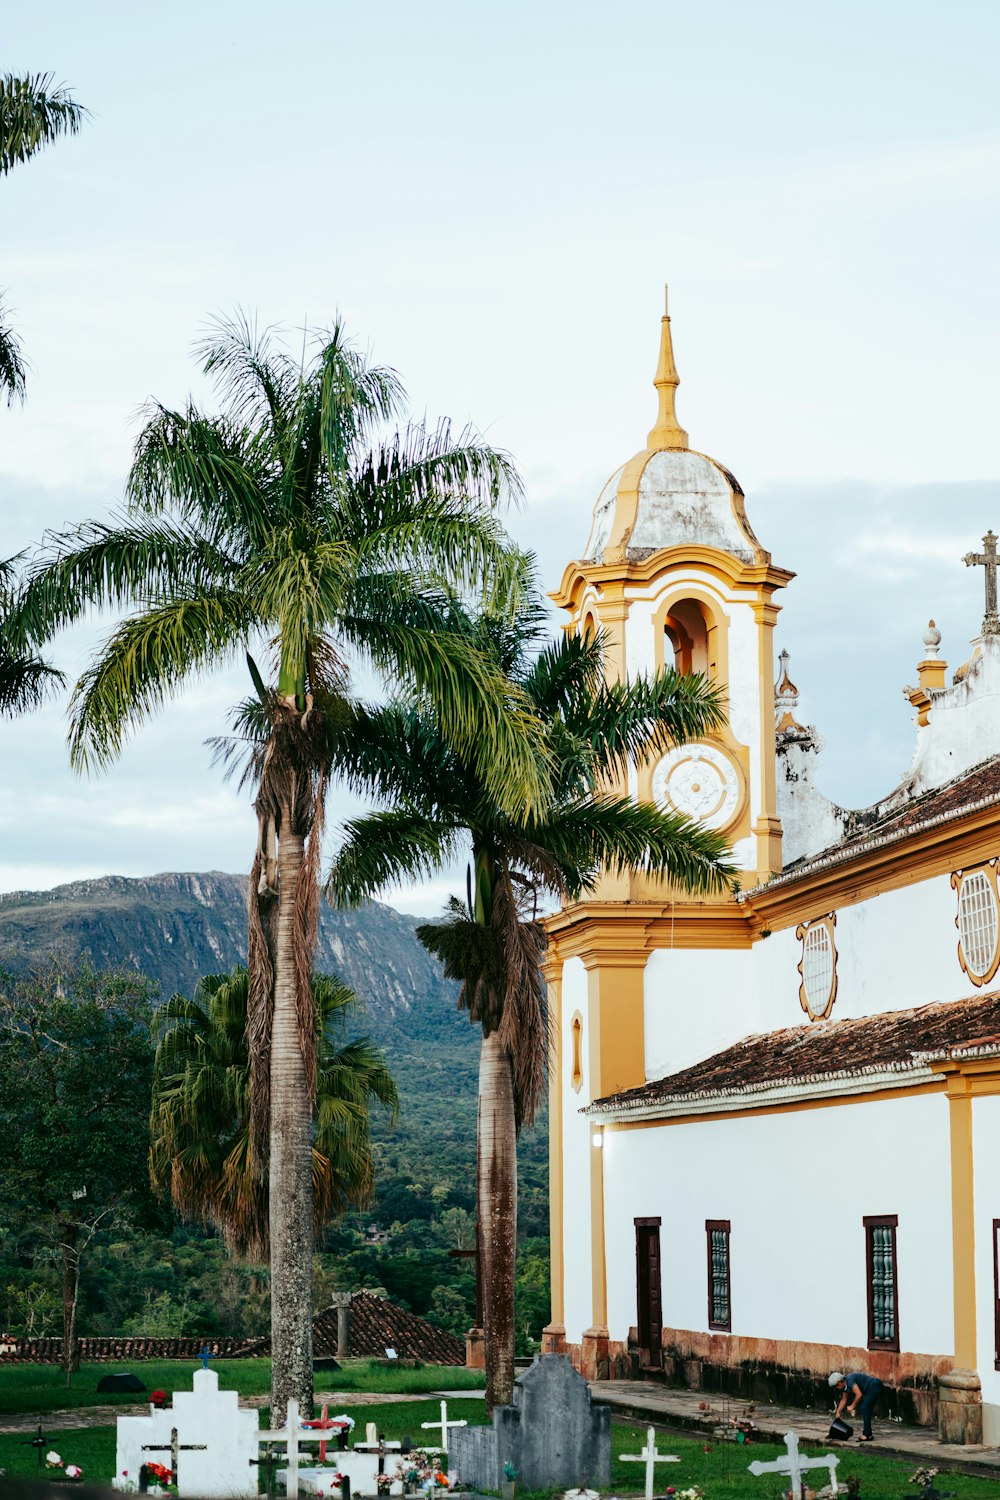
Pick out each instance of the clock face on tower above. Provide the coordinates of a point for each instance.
(701, 781)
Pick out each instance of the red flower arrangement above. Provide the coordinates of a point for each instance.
(158, 1398)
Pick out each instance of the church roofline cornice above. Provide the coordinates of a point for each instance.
(723, 565)
(939, 844)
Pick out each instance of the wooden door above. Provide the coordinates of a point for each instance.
(649, 1295)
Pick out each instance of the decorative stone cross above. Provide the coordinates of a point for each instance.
(444, 1425)
(290, 1435)
(794, 1465)
(650, 1458)
(988, 559)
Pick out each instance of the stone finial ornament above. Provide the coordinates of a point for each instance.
(786, 699)
(931, 639)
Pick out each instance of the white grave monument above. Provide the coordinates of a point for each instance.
(444, 1425)
(650, 1458)
(360, 1464)
(215, 1444)
(795, 1465)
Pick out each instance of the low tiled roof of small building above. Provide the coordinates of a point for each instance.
(899, 1041)
(378, 1324)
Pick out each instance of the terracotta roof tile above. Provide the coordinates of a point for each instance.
(897, 1041)
(377, 1324)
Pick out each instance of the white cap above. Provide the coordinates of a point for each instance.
(835, 1378)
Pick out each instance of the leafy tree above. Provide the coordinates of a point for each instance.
(300, 517)
(434, 800)
(33, 113)
(77, 1061)
(200, 1118)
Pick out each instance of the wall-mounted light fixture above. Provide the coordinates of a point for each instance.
(597, 1137)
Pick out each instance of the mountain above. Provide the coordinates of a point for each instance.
(177, 927)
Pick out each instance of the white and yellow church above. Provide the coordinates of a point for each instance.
(775, 1116)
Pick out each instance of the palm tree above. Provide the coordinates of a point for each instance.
(434, 801)
(298, 517)
(24, 677)
(32, 114)
(200, 1118)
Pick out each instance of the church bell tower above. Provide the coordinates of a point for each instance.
(674, 576)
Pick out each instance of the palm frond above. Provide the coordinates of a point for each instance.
(133, 561)
(257, 380)
(355, 398)
(34, 113)
(25, 682)
(383, 848)
(621, 835)
(13, 364)
(144, 662)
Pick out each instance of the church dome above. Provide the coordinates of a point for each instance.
(668, 495)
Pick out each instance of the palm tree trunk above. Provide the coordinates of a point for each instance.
(291, 1163)
(497, 1195)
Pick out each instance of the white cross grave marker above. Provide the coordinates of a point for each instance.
(444, 1425)
(794, 1464)
(650, 1458)
(289, 1435)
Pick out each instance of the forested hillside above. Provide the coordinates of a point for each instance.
(175, 928)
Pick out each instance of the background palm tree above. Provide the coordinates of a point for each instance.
(200, 1117)
(300, 518)
(435, 801)
(32, 114)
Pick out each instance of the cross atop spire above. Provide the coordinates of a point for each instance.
(667, 433)
(988, 559)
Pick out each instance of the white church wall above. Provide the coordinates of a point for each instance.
(775, 1001)
(577, 1284)
(798, 1254)
(985, 1155)
(894, 951)
(695, 1003)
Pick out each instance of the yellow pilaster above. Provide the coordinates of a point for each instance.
(963, 1234)
(767, 828)
(616, 1057)
(553, 974)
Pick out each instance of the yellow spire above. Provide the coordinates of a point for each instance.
(666, 433)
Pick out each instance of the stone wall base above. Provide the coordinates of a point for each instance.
(779, 1371)
(960, 1407)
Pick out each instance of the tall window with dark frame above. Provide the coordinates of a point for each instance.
(720, 1303)
(883, 1282)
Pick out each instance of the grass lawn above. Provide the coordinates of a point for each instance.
(43, 1387)
(721, 1471)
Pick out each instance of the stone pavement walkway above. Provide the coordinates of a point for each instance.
(697, 1411)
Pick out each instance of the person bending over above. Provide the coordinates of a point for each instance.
(857, 1389)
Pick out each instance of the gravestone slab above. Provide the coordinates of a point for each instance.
(553, 1435)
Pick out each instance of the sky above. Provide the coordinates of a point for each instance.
(493, 196)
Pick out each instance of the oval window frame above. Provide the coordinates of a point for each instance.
(827, 924)
(986, 874)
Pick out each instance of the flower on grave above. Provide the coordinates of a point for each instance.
(509, 1472)
(383, 1482)
(924, 1476)
(158, 1398)
(694, 1493)
(52, 1460)
(73, 1471)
